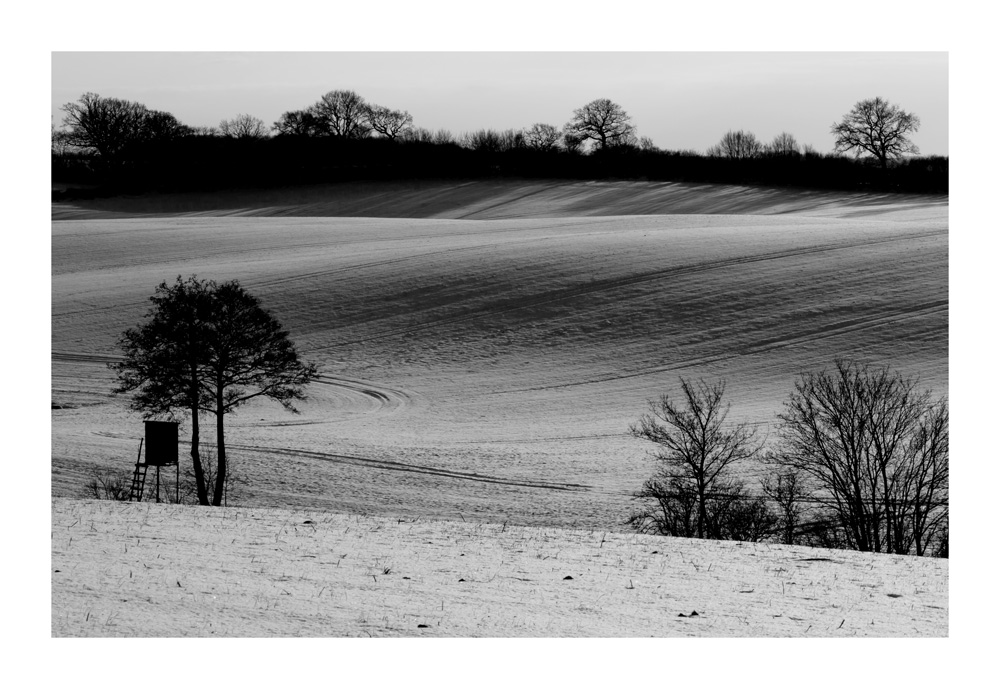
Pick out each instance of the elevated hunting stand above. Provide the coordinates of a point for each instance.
(161, 451)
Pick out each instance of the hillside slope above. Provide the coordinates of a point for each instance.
(491, 368)
(503, 199)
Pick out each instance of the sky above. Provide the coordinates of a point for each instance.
(681, 100)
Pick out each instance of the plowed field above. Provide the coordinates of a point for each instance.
(482, 359)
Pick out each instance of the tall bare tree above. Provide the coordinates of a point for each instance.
(389, 123)
(343, 114)
(602, 121)
(876, 449)
(694, 448)
(243, 127)
(877, 128)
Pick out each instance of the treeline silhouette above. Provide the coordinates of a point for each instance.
(206, 163)
(114, 147)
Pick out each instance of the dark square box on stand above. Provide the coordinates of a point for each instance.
(161, 443)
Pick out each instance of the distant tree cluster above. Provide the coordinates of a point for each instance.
(344, 114)
(128, 147)
(861, 462)
(244, 127)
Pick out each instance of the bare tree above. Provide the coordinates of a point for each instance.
(343, 114)
(738, 145)
(243, 127)
(417, 134)
(299, 123)
(492, 141)
(602, 121)
(388, 123)
(784, 145)
(787, 490)
(736, 515)
(109, 485)
(162, 126)
(60, 142)
(572, 143)
(426, 136)
(110, 126)
(443, 136)
(877, 128)
(669, 507)
(923, 485)
(204, 131)
(695, 446)
(105, 125)
(646, 144)
(875, 449)
(541, 137)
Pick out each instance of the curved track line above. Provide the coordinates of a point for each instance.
(384, 398)
(389, 465)
(389, 399)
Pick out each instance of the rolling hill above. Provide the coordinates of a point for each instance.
(484, 346)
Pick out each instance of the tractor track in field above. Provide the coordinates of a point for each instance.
(393, 465)
(388, 465)
(598, 286)
(384, 398)
(84, 358)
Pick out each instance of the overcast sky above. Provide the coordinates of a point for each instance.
(682, 100)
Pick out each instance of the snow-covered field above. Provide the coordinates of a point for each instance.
(489, 369)
(482, 357)
(140, 570)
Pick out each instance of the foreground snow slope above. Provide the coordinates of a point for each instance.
(156, 570)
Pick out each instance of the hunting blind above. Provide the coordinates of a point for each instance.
(161, 451)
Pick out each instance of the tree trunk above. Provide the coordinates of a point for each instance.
(199, 472)
(220, 440)
(702, 512)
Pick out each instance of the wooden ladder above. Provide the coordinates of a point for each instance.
(138, 478)
(138, 482)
